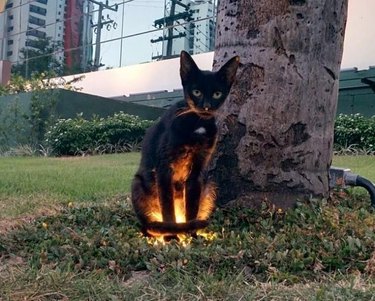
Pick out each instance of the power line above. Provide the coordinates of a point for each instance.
(59, 21)
(68, 19)
(112, 40)
(175, 17)
(98, 28)
(204, 45)
(14, 7)
(61, 51)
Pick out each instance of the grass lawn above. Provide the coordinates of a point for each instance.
(83, 242)
(29, 184)
(362, 165)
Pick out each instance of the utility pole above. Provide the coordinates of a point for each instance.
(170, 29)
(169, 22)
(98, 28)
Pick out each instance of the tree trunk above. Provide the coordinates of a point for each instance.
(276, 128)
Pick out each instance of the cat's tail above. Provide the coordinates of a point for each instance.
(171, 228)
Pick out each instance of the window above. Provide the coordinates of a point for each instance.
(42, 1)
(10, 28)
(35, 33)
(191, 43)
(9, 53)
(10, 17)
(10, 42)
(9, 5)
(36, 21)
(38, 10)
(32, 43)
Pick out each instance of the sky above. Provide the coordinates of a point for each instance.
(359, 43)
(138, 16)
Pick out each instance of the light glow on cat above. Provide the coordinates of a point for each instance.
(179, 208)
(207, 205)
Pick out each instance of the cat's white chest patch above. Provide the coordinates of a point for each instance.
(200, 130)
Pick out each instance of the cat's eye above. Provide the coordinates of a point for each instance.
(196, 93)
(217, 95)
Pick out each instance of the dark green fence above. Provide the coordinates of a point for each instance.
(357, 92)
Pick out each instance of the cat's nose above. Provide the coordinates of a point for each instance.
(206, 106)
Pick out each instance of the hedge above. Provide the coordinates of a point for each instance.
(355, 131)
(123, 132)
(76, 136)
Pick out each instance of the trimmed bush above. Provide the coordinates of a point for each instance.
(77, 136)
(122, 132)
(355, 131)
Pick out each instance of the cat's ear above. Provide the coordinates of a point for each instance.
(228, 71)
(187, 66)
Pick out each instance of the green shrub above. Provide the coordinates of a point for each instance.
(355, 131)
(117, 133)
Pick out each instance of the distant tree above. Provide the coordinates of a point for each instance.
(39, 57)
(277, 125)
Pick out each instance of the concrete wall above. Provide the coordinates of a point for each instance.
(16, 129)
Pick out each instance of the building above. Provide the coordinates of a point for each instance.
(191, 27)
(2, 26)
(78, 35)
(202, 36)
(43, 19)
(23, 22)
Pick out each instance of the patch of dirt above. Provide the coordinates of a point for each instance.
(370, 267)
(10, 261)
(10, 267)
(9, 224)
(137, 277)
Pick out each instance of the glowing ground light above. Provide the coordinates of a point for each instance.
(209, 236)
(183, 239)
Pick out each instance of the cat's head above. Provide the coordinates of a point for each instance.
(205, 91)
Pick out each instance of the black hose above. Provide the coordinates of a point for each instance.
(368, 186)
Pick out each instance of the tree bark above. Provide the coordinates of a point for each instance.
(276, 128)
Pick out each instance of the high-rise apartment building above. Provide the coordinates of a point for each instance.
(78, 35)
(23, 22)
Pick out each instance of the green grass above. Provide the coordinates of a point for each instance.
(321, 250)
(362, 165)
(318, 251)
(28, 184)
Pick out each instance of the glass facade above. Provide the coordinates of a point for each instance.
(104, 34)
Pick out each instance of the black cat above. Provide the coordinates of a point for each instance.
(170, 193)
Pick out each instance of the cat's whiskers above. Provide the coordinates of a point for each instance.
(185, 111)
(203, 114)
